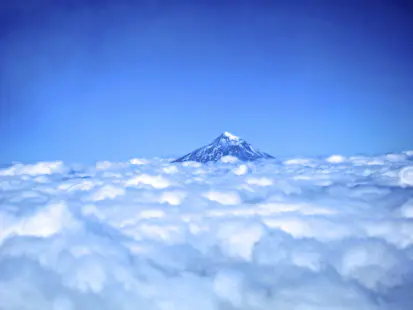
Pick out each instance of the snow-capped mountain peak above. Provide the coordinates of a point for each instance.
(230, 136)
(226, 144)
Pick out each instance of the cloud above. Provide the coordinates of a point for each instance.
(145, 179)
(335, 159)
(240, 170)
(407, 209)
(170, 169)
(32, 170)
(406, 176)
(107, 192)
(174, 198)
(372, 264)
(332, 233)
(260, 181)
(229, 159)
(225, 198)
(297, 161)
(139, 161)
(44, 223)
(229, 286)
(103, 165)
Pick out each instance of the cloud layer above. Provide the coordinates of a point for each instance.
(305, 233)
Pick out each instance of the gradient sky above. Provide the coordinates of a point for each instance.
(110, 80)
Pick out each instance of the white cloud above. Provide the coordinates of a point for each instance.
(333, 233)
(407, 209)
(229, 159)
(107, 192)
(139, 161)
(395, 157)
(335, 159)
(170, 169)
(148, 214)
(303, 208)
(83, 185)
(225, 198)
(373, 264)
(173, 198)
(297, 161)
(260, 181)
(91, 210)
(43, 223)
(240, 170)
(154, 181)
(238, 239)
(103, 165)
(33, 170)
(193, 164)
(406, 176)
(228, 287)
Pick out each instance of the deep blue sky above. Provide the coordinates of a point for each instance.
(91, 80)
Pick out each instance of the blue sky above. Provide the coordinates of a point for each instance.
(94, 80)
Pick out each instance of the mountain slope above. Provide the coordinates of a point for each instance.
(225, 145)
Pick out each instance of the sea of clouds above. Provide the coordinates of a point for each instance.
(302, 233)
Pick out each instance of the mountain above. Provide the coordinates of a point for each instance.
(225, 145)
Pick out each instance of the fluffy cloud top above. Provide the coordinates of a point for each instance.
(332, 233)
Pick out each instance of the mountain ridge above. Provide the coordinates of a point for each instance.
(225, 144)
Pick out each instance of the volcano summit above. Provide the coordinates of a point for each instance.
(225, 145)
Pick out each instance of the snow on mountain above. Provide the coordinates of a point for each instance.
(230, 136)
(225, 145)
